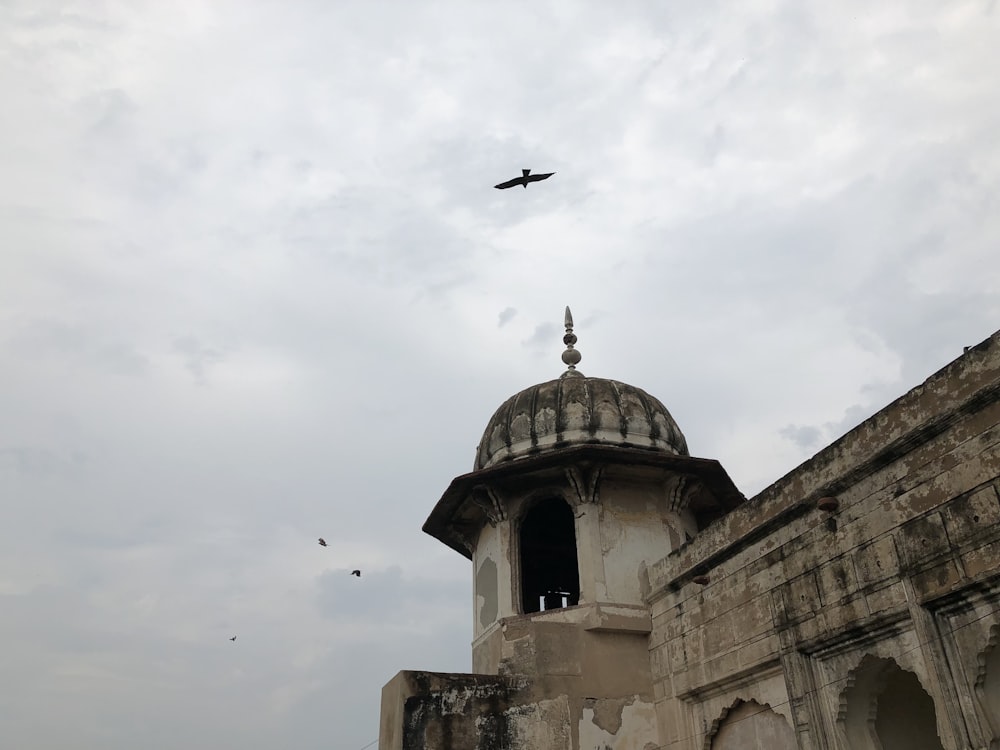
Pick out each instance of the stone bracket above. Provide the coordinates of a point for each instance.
(487, 499)
(677, 490)
(584, 479)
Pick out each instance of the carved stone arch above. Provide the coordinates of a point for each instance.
(987, 685)
(713, 728)
(885, 707)
(529, 500)
(870, 669)
(983, 656)
(749, 724)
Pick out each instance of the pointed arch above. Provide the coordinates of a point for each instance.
(987, 686)
(749, 724)
(885, 707)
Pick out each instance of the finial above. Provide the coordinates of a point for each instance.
(571, 357)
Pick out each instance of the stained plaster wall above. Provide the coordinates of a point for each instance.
(441, 711)
(616, 540)
(636, 529)
(492, 594)
(623, 724)
(438, 711)
(907, 569)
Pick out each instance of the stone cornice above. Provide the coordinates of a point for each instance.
(964, 387)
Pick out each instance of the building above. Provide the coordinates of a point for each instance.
(628, 597)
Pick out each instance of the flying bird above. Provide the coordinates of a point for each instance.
(322, 542)
(233, 638)
(524, 179)
(356, 573)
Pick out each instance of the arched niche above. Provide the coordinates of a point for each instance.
(988, 685)
(549, 572)
(748, 724)
(884, 707)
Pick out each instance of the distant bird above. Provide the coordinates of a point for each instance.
(233, 638)
(524, 179)
(356, 573)
(322, 542)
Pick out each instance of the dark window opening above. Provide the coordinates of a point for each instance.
(904, 718)
(550, 578)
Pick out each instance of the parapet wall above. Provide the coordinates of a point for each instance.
(906, 569)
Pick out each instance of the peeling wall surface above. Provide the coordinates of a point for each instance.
(486, 593)
(492, 576)
(854, 604)
(836, 619)
(617, 724)
(438, 711)
(751, 725)
(635, 531)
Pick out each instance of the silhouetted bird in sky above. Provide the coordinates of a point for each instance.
(524, 179)
(356, 573)
(322, 542)
(233, 638)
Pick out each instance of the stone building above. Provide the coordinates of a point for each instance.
(628, 597)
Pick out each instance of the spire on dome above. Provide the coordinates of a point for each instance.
(571, 357)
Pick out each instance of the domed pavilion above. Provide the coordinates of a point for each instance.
(578, 484)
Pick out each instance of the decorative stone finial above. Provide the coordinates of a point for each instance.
(571, 357)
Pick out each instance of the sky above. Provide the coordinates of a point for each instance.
(256, 288)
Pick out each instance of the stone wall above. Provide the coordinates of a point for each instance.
(444, 711)
(817, 614)
(439, 711)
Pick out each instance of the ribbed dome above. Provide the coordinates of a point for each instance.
(575, 411)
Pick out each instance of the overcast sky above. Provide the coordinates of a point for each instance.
(256, 287)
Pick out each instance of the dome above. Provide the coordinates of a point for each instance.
(577, 410)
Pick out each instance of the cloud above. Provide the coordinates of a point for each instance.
(505, 316)
(67, 342)
(42, 462)
(197, 356)
(542, 337)
(804, 436)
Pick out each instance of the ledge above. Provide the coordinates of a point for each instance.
(961, 388)
(457, 517)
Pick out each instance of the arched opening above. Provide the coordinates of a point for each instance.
(886, 708)
(550, 578)
(749, 725)
(988, 687)
(904, 714)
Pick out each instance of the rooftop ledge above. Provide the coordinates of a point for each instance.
(963, 387)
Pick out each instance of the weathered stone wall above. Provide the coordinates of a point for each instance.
(906, 571)
(437, 711)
